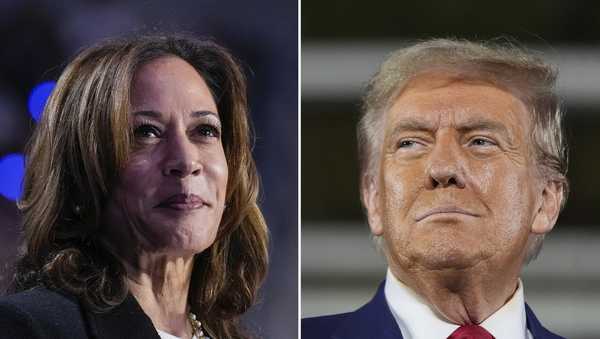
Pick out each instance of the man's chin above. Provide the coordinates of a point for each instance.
(447, 258)
(449, 262)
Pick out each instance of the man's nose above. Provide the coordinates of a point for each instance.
(446, 165)
(182, 158)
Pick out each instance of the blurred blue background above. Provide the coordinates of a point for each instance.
(342, 44)
(40, 37)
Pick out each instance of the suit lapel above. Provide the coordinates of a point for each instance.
(373, 320)
(127, 320)
(535, 327)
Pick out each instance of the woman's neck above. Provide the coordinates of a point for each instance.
(161, 284)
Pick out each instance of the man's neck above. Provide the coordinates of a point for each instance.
(466, 296)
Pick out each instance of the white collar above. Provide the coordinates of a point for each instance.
(165, 335)
(418, 321)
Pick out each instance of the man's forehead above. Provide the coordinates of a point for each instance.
(439, 100)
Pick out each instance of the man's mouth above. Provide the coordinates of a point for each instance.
(444, 210)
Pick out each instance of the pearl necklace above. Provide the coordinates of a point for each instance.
(197, 332)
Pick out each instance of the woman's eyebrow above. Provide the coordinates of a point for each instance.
(152, 114)
(158, 115)
(198, 114)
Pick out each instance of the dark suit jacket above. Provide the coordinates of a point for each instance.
(375, 320)
(41, 313)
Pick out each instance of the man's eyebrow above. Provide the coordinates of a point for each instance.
(158, 115)
(412, 125)
(484, 125)
(476, 124)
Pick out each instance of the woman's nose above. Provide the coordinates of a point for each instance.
(182, 158)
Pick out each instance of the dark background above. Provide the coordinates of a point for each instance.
(40, 37)
(546, 25)
(342, 44)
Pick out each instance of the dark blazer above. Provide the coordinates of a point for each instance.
(42, 313)
(375, 320)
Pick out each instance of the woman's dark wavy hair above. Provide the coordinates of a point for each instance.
(73, 162)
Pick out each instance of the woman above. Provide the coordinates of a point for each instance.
(139, 205)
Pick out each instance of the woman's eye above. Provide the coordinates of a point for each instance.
(147, 131)
(209, 131)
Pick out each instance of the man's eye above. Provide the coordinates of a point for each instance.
(406, 143)
(482, 142)
(147, 131)
(209, 131)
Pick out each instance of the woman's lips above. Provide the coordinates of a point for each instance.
(183, 202)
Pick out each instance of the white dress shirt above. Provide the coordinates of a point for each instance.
(165, 335)
(418, 321)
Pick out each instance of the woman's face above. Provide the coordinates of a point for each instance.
(171, 194)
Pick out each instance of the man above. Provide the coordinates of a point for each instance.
(463, 172)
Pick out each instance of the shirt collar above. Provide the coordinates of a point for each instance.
(418, 321)
(165, 335)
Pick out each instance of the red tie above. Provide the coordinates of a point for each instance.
(471, 332)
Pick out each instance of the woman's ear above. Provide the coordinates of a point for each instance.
(370, 198)
(552, 196)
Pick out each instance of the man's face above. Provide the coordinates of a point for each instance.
(457, 184)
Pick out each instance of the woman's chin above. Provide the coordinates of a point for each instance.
(181, 239)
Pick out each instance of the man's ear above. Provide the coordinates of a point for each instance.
(370, 198)
(549, 206)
